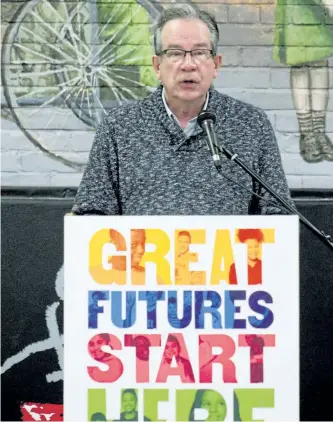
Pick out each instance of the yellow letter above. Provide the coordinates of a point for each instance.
(162, 242)
(183, 257)
(116, 274)
(223, 254)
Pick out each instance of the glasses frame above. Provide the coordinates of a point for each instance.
(163, 52)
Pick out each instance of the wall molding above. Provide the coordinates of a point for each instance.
(12, 194)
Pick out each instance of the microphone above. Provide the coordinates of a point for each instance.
(206, 121)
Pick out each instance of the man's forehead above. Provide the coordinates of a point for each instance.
(138, 235)
(178, 30)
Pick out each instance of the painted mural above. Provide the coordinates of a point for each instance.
(65, 63)
(304, 41)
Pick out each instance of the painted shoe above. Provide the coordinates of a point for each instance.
(310, 148)
(326, 146)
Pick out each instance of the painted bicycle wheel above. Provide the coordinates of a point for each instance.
(66, 63)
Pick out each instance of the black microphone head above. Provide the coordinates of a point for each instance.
(206, 115)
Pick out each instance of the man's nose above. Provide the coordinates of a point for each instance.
(188, 61)
(140, 249)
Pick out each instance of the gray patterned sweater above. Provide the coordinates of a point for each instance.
(142, 164)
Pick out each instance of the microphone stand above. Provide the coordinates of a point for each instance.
(234, 157)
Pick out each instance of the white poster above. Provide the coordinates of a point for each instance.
(181, 318)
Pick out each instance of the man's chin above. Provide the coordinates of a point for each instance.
(137, 268)
(190, 94)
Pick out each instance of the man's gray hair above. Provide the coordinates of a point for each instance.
(185, 11)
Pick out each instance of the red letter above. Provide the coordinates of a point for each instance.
(257, 344)
(142, 342)
(175, 349)
(206, 358)
(98, 348)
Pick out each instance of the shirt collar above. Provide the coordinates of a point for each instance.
(170, 113)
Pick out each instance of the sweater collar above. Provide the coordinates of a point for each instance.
(172, 115)
(153, 109)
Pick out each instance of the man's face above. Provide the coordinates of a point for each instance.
(183, 244)
(171, 350)
(128, 402)
(186, 34)
(151, 297)
(138, 240)
(95, 346)
(253, 249)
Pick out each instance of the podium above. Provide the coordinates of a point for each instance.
(181, 318)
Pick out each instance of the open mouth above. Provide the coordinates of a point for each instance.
(189, 82)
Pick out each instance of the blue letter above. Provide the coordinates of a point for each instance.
(230, 307)
(201, 309)
(174, 321)
(151, 297)
(116, 309)
(93, 309)
(267, 314)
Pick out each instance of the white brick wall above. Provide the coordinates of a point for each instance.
(249, 73)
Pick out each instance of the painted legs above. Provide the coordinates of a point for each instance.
(310, 91)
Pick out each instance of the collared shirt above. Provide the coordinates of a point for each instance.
(192, 127)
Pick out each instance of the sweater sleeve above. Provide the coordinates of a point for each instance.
(98, 192)
(271, 171)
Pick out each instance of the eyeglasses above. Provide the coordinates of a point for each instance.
(175, 55)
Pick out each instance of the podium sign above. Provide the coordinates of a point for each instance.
(181, 318)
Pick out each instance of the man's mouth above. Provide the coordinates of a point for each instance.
(189, 82)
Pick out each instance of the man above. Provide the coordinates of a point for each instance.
(183, 259)
(184, 240)
(151, 158)
(172, 351)
(137, 249)
(138, 244)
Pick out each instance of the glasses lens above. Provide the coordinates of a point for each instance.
(201, 55)
(175, 55)
(198, 55)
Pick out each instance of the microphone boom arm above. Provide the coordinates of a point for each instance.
(206, 120)
(234, 157)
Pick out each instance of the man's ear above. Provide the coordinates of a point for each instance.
(156, 65)
(218, 61)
